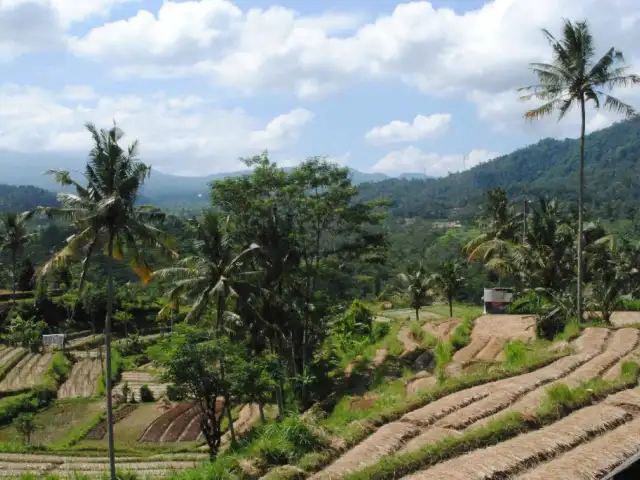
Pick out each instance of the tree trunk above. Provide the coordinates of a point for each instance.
(581, 211)
(107, 343)
(232, 430)
(418, 314)
(14, 262)
(450, 298)
(261, 409)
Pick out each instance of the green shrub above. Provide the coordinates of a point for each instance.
(630, 304)
(443, 353)
(146, 395)
(287, 441)
(380, 330)
(461, 336)
(175, 394)
(58, 370)
(11, 407)
(117, 366)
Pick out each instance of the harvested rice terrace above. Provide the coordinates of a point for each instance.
(586, 444)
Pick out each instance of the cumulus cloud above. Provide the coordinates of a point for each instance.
(414, 160)
(399, 131)
(33, 25)
(183, 134)
(436, 50)
(282, 129)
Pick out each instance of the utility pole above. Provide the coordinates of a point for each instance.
(525, 209)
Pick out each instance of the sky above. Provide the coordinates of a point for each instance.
(378, 85)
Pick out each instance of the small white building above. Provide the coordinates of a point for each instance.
(496, 300)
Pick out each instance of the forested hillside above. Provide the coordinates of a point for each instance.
(550, 167)
(22, 198)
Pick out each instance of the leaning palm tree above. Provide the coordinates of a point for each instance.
(107, 218)
(211, 274)
(14, 235)
(448, 281)
(574, 77)
(416, 282)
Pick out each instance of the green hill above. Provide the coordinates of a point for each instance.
(549, 167)
(25, 197)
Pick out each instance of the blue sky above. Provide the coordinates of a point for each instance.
(378, 85)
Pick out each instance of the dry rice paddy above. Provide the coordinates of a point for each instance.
(542, 453)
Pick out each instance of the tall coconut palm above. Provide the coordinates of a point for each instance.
(211, 273)
(14, 235)
(448, 281)
(108, 219)
(416, 283)
(574, 78)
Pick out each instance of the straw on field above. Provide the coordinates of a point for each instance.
(441, 330)
(593, 459)
(513, 455)
(429, 436)
(408, 343)
(481, 409)
(421, 384)
(592, 340)
(491, 349)
(433, 411)
(516, 327)
(387, 439)
(467, 353)
(627, 398)
(621, 343)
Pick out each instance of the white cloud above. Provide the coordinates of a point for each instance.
(436, 50)
(281, 130)
(182, 134)
(33, 25)
(414, 160)
(399, 131)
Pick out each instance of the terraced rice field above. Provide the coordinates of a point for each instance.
(136, 378)
(27, 373)
(83, 379)
(491, 332)
(8, 354)
(156, 466)
(580, 446)
(181, 423)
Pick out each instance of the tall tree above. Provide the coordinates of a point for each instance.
(211, 274)
(14, 235)
(416, 283)
(573, 78)
(448, 281)
(107, 218)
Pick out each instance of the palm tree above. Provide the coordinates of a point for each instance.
(499, 225)
(416, 283)
(574, 77)
(448, 281)
(13, 237)
(108, 219)
(211, 273)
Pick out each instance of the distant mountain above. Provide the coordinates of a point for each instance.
(549, 167)
(161, 188)
(25, 197)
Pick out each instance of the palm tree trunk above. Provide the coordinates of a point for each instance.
(418, 314)
(581, 211)
(450, 305)
(261, 409)
(14, 262)
(107, 343)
